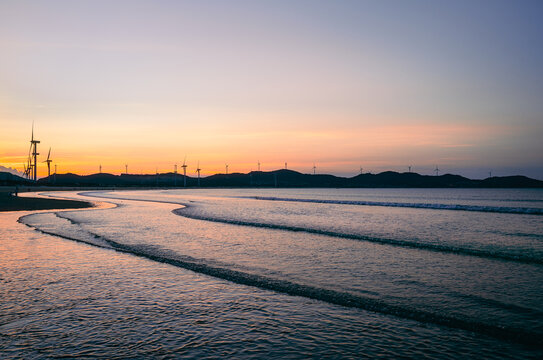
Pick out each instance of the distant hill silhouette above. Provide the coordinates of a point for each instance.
(280, 178)
(7, 178)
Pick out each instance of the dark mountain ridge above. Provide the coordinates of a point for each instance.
(282, 178)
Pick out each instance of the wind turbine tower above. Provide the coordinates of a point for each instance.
(226, 167)
(126, 169)
(314, 169)
(35, 153)
(258, 165)
(361, 170)
(409, 167)
(48, 161)
(198, 171)
(184, 166)
(100, 169)
(285, 165)
(436, 171)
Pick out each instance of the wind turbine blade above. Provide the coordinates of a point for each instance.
(48, 154)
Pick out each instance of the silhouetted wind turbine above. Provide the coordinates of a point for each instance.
(314, 168)
(258, 165)
(285, 165)
(34, 144)
(409, 167)
(126, 169)
(48, 161)
(100, 169)
(361, 170)
(226, 167)
(198, 171)
(28, 166)
(436, 171)
(184, 166)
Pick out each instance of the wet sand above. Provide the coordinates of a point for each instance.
(19, 203)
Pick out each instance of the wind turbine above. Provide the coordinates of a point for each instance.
(226, 166)
(361, 170)
(184, 166)
(409, 167)
(314, 168)
(100, 169)
(48, 161)
(285, 165)
(126, 169)
(436, 171)
(198, 171)
(35, 153)
(258, 165)
(28, 166)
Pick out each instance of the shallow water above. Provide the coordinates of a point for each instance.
(368, 280)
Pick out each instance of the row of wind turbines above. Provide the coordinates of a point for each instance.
(31, 166)
(184, 166)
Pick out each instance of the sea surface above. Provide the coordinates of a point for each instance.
(276, 273)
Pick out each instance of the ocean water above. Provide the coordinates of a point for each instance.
(252, 273)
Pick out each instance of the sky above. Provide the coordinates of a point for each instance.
(381, 85)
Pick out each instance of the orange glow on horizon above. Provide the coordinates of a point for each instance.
(378, 147)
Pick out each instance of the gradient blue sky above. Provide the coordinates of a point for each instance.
(343, 84)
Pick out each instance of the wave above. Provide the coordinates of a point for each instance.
(458, 207)
(295, 289)
(185, 212)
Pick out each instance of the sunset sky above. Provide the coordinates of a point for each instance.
(342, 84)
